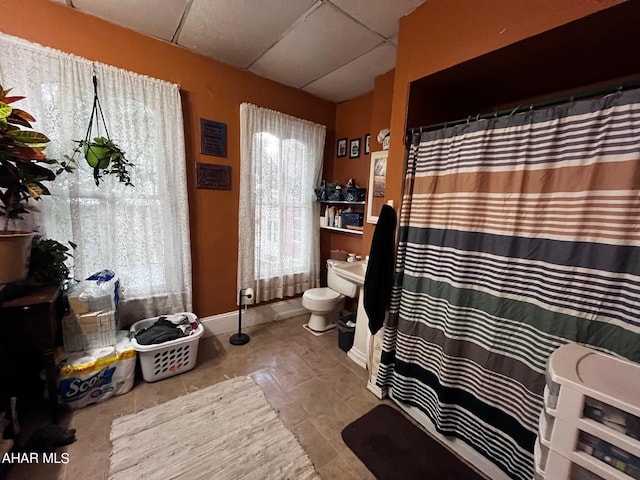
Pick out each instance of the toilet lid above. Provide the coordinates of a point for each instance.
(322, 294)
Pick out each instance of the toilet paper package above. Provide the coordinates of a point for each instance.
(97, 374)
(100, 291)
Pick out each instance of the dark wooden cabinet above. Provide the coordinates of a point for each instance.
(30, 323)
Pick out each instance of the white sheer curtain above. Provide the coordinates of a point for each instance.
(140, 233)
(279, 233)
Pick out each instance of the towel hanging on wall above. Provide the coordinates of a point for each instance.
(379, 277)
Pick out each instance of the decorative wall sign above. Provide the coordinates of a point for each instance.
(213, 177)
(213, 138)
(367, 140)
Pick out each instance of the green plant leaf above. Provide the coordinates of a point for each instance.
(34, 190)
(31, 138)
(5, 110)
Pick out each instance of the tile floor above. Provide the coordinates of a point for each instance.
(316, 389)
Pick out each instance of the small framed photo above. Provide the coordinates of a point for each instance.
(342, 147)
(367, 138)
(354, 148)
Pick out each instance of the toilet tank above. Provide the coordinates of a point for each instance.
(339, 284)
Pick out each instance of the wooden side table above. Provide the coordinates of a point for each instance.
(31, 322)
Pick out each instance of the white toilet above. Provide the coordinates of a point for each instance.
(326, 303)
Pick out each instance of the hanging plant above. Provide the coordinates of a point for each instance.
(102, 154)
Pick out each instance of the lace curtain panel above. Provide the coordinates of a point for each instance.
(140, 233)
(279, 232)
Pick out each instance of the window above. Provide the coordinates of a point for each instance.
(140, 233)
(281, 161)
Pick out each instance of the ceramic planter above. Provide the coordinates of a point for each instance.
(97, 156)
(15, 251)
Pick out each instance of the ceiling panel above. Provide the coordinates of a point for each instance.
(158, 18)
(314, 45)
(379, 15)
(356, 77)
(324, 41)
(237, 32)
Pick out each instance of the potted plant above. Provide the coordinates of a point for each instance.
(101, 153)
(105, 157)
(23, 169)
(48, 260)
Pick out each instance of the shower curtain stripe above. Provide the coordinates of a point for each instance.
(516, 236)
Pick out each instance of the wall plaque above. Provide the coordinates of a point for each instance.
(213, 138)
(213, 177)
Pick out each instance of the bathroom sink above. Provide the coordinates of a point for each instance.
(353, 272)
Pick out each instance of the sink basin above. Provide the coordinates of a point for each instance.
(353, 272)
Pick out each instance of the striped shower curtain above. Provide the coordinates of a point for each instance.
(517, 234)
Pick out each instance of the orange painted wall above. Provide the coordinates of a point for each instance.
(380, 118)
(443, 33)
(352, 121)
(210, 90)
(355, 118)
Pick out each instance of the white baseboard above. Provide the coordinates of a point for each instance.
(377, 391)
(460, 447)
(228, 322)
(358, 357)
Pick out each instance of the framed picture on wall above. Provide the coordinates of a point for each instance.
(354, 148)
(367, 138)
(342, 147)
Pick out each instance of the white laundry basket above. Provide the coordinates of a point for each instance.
(170, 358)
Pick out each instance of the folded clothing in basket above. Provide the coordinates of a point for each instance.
(166, 328)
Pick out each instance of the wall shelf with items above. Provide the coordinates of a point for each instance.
(351, 222)
(341, 202)
(342, 230)
(334, 201)
(590, 424)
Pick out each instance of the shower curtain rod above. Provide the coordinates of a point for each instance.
(512, 111)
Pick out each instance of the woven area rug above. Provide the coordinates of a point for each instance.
(226, 431)
(392, 447)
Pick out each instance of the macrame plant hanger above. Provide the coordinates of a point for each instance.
(101, 153)
(97, 109)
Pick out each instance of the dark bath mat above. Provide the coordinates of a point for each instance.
(392, 447)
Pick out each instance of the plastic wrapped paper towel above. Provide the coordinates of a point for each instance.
(98, 374)
(100, 291)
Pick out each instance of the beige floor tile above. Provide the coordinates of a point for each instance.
(337, 469)
(312, 384)
(83, 464)
(319, 450)
(147, 395)
(36, 471)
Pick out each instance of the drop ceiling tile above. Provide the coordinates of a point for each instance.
(159, 18)
(324, 41)
(237, 32)
(356, 77)
(379, 15)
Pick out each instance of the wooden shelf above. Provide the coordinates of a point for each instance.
(343, 230)
(341, 202)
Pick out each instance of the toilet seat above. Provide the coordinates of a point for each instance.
(323, 294)
(321, 300)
